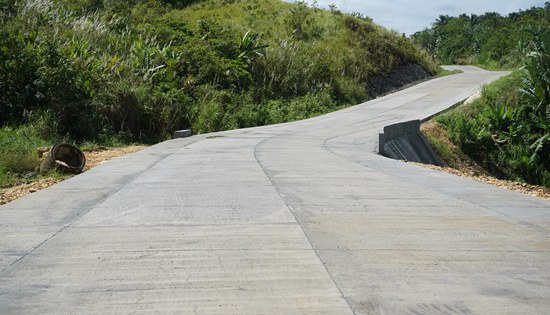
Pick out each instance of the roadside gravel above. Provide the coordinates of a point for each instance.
(93, 158)
(532, 190)
(465, 167)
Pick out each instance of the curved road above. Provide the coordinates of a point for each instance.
(299, 218)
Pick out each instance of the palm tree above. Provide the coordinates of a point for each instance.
(441, 21)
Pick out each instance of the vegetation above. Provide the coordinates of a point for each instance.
(18, 150)
(507, 131)
(113, 72)
(125, 71)
(141, 69)
(489, 40)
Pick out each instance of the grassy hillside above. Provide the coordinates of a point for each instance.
(123, 71)
(141, 70)
(507, 131)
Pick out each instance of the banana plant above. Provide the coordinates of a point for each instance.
(537, 65)
(537, 91)
(504, 123)
(249, 48)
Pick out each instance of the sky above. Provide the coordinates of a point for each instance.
(410, 16)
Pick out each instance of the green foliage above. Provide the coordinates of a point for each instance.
(444, 72)
(491, 40)
(537, 94)
(507, 131)
(301, 22)
(249, 48)
(18, 151)
(119, 71)
(537, 64)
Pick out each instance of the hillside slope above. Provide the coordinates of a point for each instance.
(137, 70)
(507, 131)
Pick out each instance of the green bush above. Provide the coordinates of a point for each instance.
(18, 151)
(137, 70)
(502, 132)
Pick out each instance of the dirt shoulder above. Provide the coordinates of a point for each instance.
(93, 158)
(465, 167)
(532, 190)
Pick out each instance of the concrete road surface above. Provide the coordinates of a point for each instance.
(299, 218)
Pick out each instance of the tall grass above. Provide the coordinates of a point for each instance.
(504, 131)
(137, 71)
(18, 154)
(124, 71)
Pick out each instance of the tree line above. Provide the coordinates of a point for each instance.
(490, 39)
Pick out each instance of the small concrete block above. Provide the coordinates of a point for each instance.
(182, 133)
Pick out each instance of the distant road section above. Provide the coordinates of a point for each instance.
(298, 218)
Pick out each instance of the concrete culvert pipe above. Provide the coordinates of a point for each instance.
(65, 157)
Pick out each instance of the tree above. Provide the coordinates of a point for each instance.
(441, 21)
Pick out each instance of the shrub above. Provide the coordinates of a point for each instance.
(137, 70)
(18, 152)
(499, 131)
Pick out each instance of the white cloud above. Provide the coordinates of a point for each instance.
(409, 16)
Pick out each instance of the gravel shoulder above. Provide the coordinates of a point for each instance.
(93, 158)
(532, 190)
(465, 167)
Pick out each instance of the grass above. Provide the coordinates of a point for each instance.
(18, 154)
(450, 154)
(109, 73)
(444, 72)
(495, 66)
(137, 72)
(19, 161)
(497, 132)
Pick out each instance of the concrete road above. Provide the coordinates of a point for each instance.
(299, 218)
